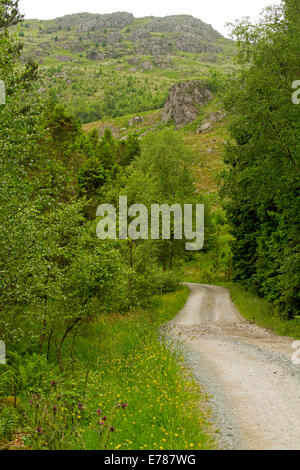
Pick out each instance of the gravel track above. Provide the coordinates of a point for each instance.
(248, 370)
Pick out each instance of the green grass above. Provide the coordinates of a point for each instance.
(165, 406)
(119, 359)
(256, 309)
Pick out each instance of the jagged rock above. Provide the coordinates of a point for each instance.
(183, 23)
(147, 65)
(209, 121)
(183, 102)
(192, 43)
(206, 126)
(139, 34)
(100, 22)
(135, 121)
(154, 46)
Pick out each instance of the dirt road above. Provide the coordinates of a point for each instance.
(248, 371)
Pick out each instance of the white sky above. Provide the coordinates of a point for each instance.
(214, 12)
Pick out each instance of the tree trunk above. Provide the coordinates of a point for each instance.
(68, 330)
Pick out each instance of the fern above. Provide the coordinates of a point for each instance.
(8, 423)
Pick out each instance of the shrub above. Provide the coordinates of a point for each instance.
(166, 282)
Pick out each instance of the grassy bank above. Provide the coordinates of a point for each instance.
(126, 391)
(135, 368)
(256, 309)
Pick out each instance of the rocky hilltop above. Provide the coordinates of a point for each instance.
(84, 22)
(116, 65)
(98, 37)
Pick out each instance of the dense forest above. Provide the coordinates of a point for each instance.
(79, 316)
(263, 183)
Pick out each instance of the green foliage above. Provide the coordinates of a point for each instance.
(167, 282)
(24, 374)
(9, 419)
(217, 81)
(9, 13)
(165, 157)
(127, 97)
(263, 183)
(91, 176)
(131, 151)
(58, 280)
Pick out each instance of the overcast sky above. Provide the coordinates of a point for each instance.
(215, 12)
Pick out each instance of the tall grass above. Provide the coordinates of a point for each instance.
(161, 402)
(122, 389)
(258, 310)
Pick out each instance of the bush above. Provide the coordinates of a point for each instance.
(166, 282)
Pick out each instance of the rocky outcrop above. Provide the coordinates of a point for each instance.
(139, 34)
(154, 46)
(134, 61)
(183, 24)
(87, 22)
(189, 42)
(183, 102)
(209, 121)
(147, 65)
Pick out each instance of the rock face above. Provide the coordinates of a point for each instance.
(183, 24)
(189, 42)
(183, 102)
(87, 22)
(154, 46)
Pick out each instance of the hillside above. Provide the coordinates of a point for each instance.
(206, 146)
(111, 65)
